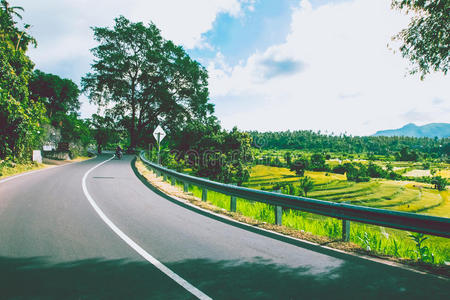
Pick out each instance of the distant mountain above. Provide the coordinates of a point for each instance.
(430, 130)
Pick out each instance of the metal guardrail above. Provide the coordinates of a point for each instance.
(346, 212)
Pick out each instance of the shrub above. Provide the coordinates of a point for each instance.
(440, 183)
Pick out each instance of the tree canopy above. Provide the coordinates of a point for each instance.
(426, 41)
(380, 145)
(20, 116)
(213, 152)
(145, 79)
(59, 95)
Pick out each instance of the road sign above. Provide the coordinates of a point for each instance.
(159, 134)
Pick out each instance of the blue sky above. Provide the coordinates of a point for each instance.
(273, 65)
(237, 37)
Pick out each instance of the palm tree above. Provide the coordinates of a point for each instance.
(306, 185)
(11, 10)
(7, 26)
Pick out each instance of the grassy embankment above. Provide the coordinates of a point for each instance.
(403, 196)
(10, 169)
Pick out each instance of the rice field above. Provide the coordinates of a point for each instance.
(404, 196)
(377, 193)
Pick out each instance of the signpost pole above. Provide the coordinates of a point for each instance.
(159, 134)
(159, 148)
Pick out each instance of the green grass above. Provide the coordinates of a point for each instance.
(9, 169)
(380, 240)
(378, 194)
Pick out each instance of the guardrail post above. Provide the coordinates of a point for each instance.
(204, 194)
(436, 226)
(164, 177)
(345, 230)
(172, 180)
(278, 214)
(186, 187)
(233, 203)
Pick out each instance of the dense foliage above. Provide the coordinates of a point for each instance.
(379, 145)
(59, 95)
(104, 131)
(426, 41)
(214, 153)
(440, 183)
(20, 117)
(146, 80)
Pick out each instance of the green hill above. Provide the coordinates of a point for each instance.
(440, 130)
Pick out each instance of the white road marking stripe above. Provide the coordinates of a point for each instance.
(190, 288)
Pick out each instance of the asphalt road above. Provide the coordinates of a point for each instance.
(55, 245)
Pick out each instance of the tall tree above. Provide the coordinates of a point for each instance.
(147, 79)
(299, 166)
(103, 130)
(426, 41)
(59, 95)
(20, 117)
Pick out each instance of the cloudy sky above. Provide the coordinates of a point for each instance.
(273, 64)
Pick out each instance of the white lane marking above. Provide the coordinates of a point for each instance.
(190, 288)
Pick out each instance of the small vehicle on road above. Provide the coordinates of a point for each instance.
(119, 152)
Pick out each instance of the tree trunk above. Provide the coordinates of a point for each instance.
(133, 127)
(133, 118)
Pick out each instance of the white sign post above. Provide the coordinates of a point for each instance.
(159, 134)
(37, 156)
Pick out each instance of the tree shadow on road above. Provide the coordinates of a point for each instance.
(36, 278)
(263, 279)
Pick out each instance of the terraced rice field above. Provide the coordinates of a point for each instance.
(335, 187)
(385, 194)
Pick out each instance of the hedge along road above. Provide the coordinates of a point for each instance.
(54, 243)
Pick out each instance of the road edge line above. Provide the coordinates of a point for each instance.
(160, 266)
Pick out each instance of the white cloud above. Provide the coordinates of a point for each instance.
(62, 28)
(350, 81)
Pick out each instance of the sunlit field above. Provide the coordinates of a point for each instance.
(385, 194)
(379, 193)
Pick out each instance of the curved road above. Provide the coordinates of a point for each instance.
(55, 245)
